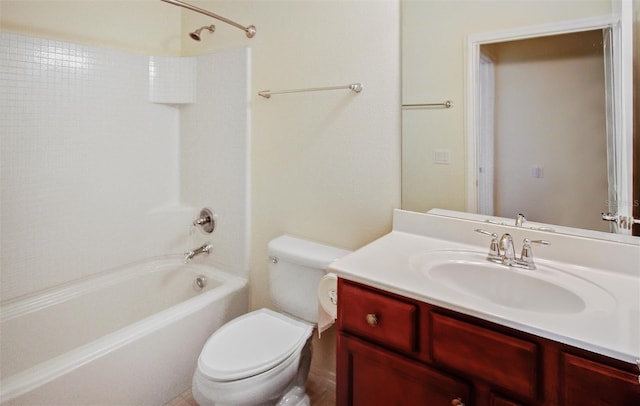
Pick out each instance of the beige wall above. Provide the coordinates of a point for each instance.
(434, 37)
(326, 165)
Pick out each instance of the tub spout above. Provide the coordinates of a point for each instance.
(204, 249)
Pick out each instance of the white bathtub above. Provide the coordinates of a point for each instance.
(129, 336)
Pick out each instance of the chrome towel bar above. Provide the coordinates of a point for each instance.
(447, 104)
(356, 87)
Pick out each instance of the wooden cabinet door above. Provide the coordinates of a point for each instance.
(497, 400)
(369, 376)
(588, 383)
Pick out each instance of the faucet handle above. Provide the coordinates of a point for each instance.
(526, 256)
(494, 250)
(528, 242)
(206, 221)
(481, 231)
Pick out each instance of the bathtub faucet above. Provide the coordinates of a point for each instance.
(204, 249)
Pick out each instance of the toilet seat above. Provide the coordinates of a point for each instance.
(251, 344)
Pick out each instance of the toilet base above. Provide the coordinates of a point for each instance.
(288, 378)
(295, 397)
(242, 394)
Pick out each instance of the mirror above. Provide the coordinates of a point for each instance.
(436, 170)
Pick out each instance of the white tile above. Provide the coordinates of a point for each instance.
(172, 80)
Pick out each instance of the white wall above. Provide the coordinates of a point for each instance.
(214, 155)
(91, 168)
(75, 148)
(84, 157)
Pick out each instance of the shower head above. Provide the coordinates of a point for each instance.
(196, 34)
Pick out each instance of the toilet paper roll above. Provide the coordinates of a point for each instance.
(327, 302)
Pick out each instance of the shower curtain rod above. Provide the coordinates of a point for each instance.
(250, 30)
(356, 87)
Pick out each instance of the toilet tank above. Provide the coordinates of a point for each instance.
(295, 269)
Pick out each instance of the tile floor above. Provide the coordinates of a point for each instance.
(321, 388)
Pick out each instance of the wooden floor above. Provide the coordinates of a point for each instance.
(321, 388)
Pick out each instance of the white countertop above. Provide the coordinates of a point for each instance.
(611, 328)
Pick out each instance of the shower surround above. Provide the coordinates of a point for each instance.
(107, 157)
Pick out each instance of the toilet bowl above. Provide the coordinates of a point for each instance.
(252, 360)
(263, 357)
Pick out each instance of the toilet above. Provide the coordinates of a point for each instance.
(263, 357)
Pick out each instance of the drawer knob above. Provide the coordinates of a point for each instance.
(372, 319)
(457, 402)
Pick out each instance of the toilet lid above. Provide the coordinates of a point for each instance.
(251, 344)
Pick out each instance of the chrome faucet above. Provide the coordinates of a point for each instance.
(503, 251)
(507, 249)
(204, 249)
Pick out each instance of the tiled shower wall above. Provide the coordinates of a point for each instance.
(90, 166)
(215, 152)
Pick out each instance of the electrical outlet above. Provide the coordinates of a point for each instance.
(537, 171)
(442, 156)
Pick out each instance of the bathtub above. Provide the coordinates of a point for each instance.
(129, 336)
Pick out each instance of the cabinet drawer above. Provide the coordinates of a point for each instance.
(377, 317)
(504, 361)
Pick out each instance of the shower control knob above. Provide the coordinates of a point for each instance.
(206, 221)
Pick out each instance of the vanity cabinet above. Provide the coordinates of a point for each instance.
(397, 351)
(383, 378)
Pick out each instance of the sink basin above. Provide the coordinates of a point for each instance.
(544, 290)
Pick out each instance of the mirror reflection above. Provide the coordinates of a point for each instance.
(546, 101)
(542, 147)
